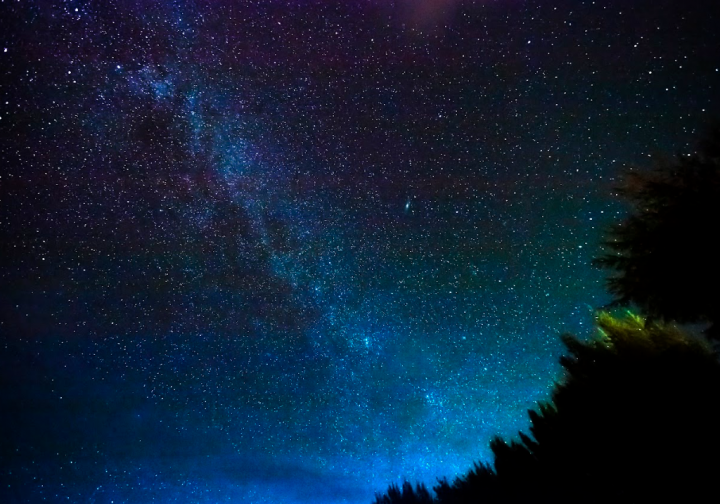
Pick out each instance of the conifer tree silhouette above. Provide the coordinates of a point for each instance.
(408, 495)
(663, 256)
(481, 484)
(633, 420)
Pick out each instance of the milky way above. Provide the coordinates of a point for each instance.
(295, 251)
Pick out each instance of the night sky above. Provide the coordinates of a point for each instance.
(280, 251)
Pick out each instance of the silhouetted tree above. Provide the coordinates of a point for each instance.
(408, 495)
(633, 420)
(481, 484)
(664, 254)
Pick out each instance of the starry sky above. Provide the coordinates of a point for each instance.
(289, 251)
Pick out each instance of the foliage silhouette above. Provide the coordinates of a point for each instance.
(664, 254)
(408, 495)
(633, 421)
(481, 483)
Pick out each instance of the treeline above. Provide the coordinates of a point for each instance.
(634, 418)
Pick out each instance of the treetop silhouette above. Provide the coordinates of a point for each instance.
(633, 420)
(664, 255)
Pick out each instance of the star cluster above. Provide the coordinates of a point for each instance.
(277, 251)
